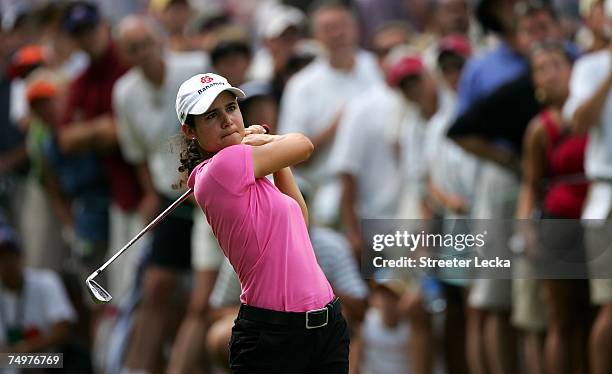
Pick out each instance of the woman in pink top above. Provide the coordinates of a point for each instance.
(289, 320)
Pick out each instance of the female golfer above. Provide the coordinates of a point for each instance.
(289, 320)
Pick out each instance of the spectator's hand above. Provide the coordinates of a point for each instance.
(149, 206)
(411, 304)
(106, 132)
(259, 139)
(528, 235)
(456, 204)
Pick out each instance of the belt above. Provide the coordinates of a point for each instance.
(312, 319)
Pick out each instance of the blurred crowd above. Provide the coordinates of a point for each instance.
(419, 109)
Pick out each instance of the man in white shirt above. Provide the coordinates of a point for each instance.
(143, 102)
(423, 126)
(366, 162)
(429, 110)
(315, 97)
(35, 312)
(362, 156)
(589, 108)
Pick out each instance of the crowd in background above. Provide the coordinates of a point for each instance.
(420, 109)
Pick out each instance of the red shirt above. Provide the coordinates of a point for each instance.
(567, 187)
(90, 96)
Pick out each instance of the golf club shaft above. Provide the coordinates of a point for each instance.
(151, 225)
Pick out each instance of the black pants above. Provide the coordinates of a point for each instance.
(271, 345)
(171, 245)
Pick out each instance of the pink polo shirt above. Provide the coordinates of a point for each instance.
(262, 232)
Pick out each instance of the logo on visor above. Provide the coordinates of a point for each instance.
(206, 79)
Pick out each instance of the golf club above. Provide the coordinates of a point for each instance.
(97, 292)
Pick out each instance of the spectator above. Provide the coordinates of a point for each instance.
(231, 55)
(432, 110)
(552, 154)
(205, 27)
(452, 17)
(64, 57)
(259, 106)
(145, 136)
(589, 109)
(281, 30)
(450, 182)
(447, 17)
(490, 299)
(372, 14)
(35, 313)
(46, 209)
(13, 155)
(360, 167)
(174, 15)
(385, 342)
(592, 35)
(87, 126)
(453, 52)
(328, 83)
(387, 37)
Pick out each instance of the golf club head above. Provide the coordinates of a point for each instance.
(97, 292)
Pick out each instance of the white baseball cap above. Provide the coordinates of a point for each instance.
(279, 19)
(197, 93)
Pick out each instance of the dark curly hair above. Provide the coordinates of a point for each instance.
(191, 155)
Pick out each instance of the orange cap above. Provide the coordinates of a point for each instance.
(41, 90)
(29, 55)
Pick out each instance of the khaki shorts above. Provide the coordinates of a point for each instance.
(599, 252)
(598, 236)
(529, 311)
(491, 294)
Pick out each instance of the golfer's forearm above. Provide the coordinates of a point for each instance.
(284, 181)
